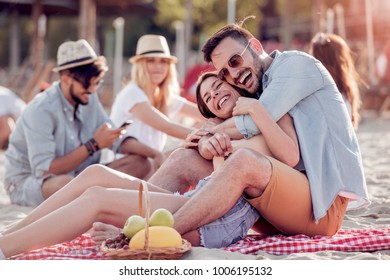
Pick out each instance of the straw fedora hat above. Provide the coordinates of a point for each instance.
(73, 54)
(152, 46)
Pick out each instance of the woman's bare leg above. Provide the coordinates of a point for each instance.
(101, 231)
(112, 206)
(95, 175)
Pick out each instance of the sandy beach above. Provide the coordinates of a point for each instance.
(374, 140)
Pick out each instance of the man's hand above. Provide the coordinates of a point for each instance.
(106, 136)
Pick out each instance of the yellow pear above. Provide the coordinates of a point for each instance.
(159, 237)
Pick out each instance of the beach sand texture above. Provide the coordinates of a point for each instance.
(374, 140)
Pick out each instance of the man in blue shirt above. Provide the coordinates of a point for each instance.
(310, 198)
(62, 130)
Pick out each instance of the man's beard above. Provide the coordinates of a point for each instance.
(76, 98)
(260, 74)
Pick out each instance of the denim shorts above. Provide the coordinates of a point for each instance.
(28, 192)
(231, 227)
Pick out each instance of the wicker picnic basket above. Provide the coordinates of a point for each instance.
(147, 253)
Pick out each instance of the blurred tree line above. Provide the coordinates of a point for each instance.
(206, 17)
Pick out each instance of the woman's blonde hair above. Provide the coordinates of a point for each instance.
(169, 86)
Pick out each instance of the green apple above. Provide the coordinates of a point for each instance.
(161, 217)
(133, 225)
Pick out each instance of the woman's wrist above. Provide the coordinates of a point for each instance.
(202, 151)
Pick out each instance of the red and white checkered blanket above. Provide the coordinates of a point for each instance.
(349, 240)
(352, 240)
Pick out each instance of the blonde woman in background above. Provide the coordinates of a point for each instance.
(336, 56)
(151, 100)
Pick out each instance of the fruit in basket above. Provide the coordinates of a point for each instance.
(120, 241)
(161, 217)
(159, 237)
(133, 225)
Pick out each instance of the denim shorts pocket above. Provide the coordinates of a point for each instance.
(236, 235)
(231, 227)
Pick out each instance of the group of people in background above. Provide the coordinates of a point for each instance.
(274, 148)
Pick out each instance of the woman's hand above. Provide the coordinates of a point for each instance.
(217, 145)
(245, 106)
(211, 125)
(193, 138)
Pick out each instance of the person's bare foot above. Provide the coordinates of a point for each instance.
(101, 231)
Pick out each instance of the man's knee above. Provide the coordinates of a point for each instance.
(5, 131)
(136, 165)
(182, 155)
(253, 166)
(244, 155)
(53, 184)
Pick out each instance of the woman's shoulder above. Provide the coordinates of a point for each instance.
(131, 91)
(131, 87)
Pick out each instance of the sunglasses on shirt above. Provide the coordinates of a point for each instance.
(236, 60)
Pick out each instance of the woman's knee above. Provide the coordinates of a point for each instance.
(93, 170)
(95, 199)
(95, 195)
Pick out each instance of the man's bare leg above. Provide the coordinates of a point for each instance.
(7, 124)
(183, 169)
(54, 184)
(134, 165)
(244, 170)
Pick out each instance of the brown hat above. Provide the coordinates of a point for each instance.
(152, 46)
(72, 54)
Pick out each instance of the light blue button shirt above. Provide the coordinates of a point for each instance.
(47, 130)
(300, 85)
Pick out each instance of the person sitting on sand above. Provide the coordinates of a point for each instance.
(314, 188)
(335, 54)
(151, 100)
(109, 196)
(329, 175)
(11, 106)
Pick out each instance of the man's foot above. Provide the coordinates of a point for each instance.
(100, 232)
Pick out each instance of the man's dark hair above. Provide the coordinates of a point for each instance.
(85, 73)
(234, 31)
